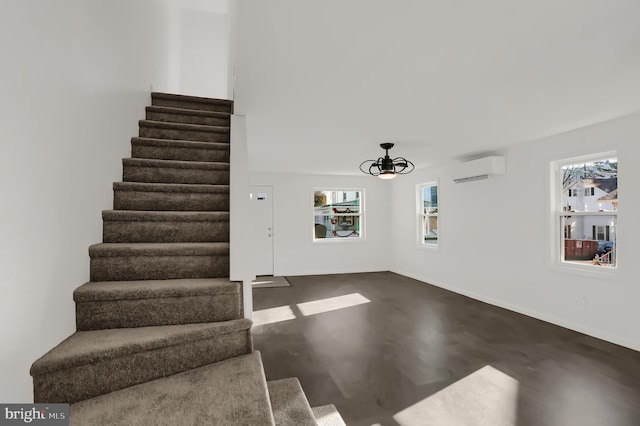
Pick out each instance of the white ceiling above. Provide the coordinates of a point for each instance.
(322, 83)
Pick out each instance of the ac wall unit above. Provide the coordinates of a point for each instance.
(482, 168)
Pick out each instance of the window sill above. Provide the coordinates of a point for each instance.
(338, 240)
(590, 213)
(590, 271)
(428, 247)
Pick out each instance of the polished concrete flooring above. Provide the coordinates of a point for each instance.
(389, 350)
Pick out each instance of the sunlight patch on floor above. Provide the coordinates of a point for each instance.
(271, 315)
(486, 397)
(331, 304)
(285, 313)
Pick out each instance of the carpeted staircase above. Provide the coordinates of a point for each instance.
(161, 337)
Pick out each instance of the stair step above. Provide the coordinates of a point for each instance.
(289, 403)
(171, 171)
(93, 363)
(170, 197)
(189, 132)
(191, 102)
(158, 261)
(231, 392)
(131, 226)
(328, 415)
(127, 304)
(168, 149)
(187, 116)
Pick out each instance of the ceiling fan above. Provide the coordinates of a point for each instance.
(386, 167)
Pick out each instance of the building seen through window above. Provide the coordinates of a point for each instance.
(337, 214)
(428, 214)
(588, 211)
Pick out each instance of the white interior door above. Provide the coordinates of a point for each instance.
(262, 228)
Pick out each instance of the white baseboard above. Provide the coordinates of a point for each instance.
(337, 271)
(562, 322)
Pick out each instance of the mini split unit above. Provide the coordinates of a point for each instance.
(482, 168)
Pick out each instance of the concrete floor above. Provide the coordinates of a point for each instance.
(389, 350)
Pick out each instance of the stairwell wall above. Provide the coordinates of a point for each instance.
(241, 250)
(199, 48)
(76, 76)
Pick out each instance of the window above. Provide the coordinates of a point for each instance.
(587, 210)
(337, 214)
(428, 214)
(601, 233)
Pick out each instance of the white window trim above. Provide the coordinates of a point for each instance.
(420, 244)
(557, 231)
(362, 215)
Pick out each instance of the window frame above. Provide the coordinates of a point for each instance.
(558, 227)
(422, 215)
(361, 215)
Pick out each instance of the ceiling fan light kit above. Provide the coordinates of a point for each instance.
(386, 167)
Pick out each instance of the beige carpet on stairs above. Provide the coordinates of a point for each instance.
(161, 339)
(289, 403)
(328, 415)
(230, 392)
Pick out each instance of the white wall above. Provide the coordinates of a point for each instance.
(75, 79)
(199, 48)
(294, 251)
(495, 237)
(204, 47)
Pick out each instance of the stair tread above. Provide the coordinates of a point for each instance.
(185, 111)
(289, 403)
(229, 392)
(328, 415)
(147, 289)
(177, 143)
(184, 126)
(89, 347)
(161, 216)
(188, 98)
(170, 187)
(175, 164)
(157, 249)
